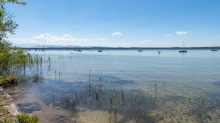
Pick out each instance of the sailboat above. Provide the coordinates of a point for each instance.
(214, 48)
(43, 48)
(79, 50)
(159, 51)
(100, 50)
(140, 50)
(183, 50)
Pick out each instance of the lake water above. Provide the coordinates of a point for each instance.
(123, 86)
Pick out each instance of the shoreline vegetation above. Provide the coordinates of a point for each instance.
(12, 60)
(10, 73)
(8, 80)
(9, 111)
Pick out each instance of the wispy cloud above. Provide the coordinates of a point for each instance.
(167, 35)
(48, 39)
(181, 32)
(217, 35)
(99, 39)
(22, 41)
(146, 41)
(116, 33)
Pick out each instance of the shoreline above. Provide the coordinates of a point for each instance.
(119, 48)
(8, 109)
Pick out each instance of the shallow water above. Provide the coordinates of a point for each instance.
(165, 87)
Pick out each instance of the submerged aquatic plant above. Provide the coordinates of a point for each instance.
(113, 107)
(123, 96)
(155, 95)
(89, 84)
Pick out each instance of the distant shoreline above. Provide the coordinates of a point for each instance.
(122, 48)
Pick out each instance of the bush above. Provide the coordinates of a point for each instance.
(11, 58)
(24, 118)
(8, 80)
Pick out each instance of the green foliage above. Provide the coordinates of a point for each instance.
(24, 118)
(8, 80)
(7, 25)
(14, 1)
(3, 2)
(11, 58)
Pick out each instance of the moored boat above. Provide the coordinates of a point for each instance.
(183, 50)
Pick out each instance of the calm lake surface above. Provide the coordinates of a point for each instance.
(144, 86)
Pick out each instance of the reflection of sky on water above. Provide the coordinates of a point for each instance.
(179, 77)
(164, 53)
(126, 69)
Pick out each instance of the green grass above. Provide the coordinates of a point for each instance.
(1, 79)
(8, 79)
(24, 118)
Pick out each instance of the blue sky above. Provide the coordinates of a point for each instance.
(125, 23)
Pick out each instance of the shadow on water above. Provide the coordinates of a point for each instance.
(114, 79)
(217, 83)
(29, 107)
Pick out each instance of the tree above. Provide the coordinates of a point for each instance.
(7, 25)
(3, 2)
(11, 57)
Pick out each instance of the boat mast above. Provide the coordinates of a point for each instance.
(183, 45)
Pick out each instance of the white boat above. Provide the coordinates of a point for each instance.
(214, 48)
(79, 50)
(159, 51)
(43, 48)
(100, 50)
(183, 50)
(140, 50)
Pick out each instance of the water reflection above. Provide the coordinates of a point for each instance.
(123, 86)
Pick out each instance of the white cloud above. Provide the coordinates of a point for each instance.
(99, 39)
(22, 41)
(146, 41)
(167, 35)
(48, 39)
(51, 38)
(116, 33)
(181, 32)
(217, 35)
